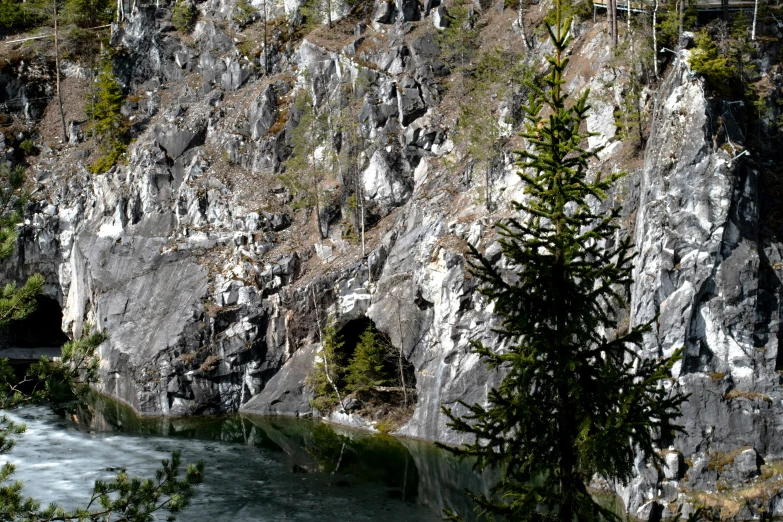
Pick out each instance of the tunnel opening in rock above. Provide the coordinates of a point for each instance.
(378, 379)
(40, 329)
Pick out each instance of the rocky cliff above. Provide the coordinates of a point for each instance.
(210, 286)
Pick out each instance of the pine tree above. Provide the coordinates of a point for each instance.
(109, 125)
(479, 126)
(459, 40)
(12, 198)
(365, 369)
(707, 61)
(576, 400)
(327, 373)
(630, 118)
(308, 168)
(15, 302)
(183, 16)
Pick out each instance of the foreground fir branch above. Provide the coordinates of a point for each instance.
(123, 499)
(575, 402)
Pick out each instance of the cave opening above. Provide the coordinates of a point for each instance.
(388, 397)
(40, 329)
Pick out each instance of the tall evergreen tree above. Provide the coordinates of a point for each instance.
(109, 125)
(366, 367)
(459, 40)
(575, 400)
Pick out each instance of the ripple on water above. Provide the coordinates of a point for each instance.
(256, 469)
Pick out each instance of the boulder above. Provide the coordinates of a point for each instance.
(672, 464)
(263, 113)
(440, 17)
(410, 101)
(746, 464)
(176, 141)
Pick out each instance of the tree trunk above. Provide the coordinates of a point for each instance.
(755, 15)
(318, 213)
(521, 24)
(628, 18)
(358, 190)
(681, 8)
(266, 44)
(655, 38)
(316, 182)
(323, 348)
(488, 188)
(567, 460)
(400, 357)
(57, 75)
(329, 13)
(611, 16)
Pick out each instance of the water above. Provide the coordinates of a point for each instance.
(257, 468)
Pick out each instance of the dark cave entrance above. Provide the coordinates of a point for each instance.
(40, 329)
(391, 395)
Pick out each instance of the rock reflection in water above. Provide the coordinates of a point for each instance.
(258, 468)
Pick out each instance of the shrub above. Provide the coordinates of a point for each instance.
(706, 60)
(244, 13)
(385, 426)
(184, 16)
(28, 147)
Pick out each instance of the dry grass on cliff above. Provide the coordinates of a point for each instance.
(728, 500)
(74, 93)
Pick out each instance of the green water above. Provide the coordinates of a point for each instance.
(257, 468)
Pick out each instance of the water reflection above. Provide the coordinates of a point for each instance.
(258, 468)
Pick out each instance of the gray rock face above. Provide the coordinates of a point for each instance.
(440, 18)
(701, 269)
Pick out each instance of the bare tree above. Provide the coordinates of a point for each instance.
(324, 351)
(57, 73)
(405, 330)
(521, 24)
(755, 15)
(266, 42)
(401, 351)
(655, 38)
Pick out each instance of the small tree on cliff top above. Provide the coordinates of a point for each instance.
(574, 402)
